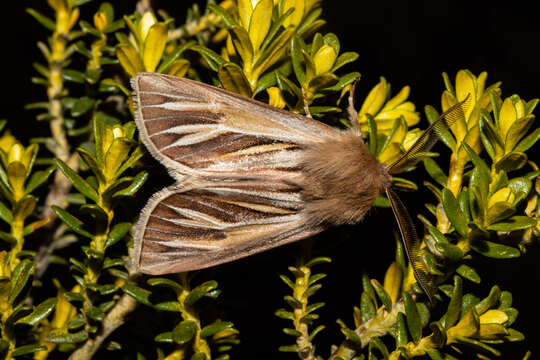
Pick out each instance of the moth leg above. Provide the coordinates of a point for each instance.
(353, 114)
(306, 105)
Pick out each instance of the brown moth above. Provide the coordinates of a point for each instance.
(250, 177)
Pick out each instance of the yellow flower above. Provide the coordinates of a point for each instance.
(385, 110)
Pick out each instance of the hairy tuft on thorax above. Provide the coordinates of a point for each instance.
(342, 179)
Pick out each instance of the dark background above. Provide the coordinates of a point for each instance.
(410, 43)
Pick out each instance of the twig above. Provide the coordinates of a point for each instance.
(114, 319)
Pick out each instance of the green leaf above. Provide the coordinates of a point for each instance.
(367, 307)
(529, 141)
(82, 106)
(468, 273)
(71, 221)
(297, 44)
(199, 292)
(454, 307)
(352, 336)
(495, 250)
(20, 277)
(5, 213)
(136, 184)
(227, 18)
(446, 136)
(73, 76)
(78, 182)
(138, 293)
(165, 337)
(514, 223)
(478, 162)
(435, 171)
(489, 302)
(382, 294)
(413, 318)
(213, 60)
(165, 283)
(184, 332)
(372, 130)
(401, 331)
(42, 19)
(215, 327)
(38, 178)
(40, 312)
(175, 55)
(511, 161)
(117, 233)
(233, 79)
(453, 211)
(95, 313)
(242, 44)
(343, 59)
(60, 336)
(28, 349)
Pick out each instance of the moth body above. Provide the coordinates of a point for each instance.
(341, 179)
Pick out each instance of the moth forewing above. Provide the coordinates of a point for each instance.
(237, 163)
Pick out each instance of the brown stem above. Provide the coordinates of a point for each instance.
(114, 319)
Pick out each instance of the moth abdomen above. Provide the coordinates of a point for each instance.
(341, 179)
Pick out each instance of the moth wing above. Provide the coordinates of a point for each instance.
(194, 128)
(182, 230)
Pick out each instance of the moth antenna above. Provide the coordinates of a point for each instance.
(351, 110)
(306, 104)
(430, 136)
(411, 244)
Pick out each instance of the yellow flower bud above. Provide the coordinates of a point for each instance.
(7, 141)
(16, 153)
(324, 59)
(276, 98)
(493, 316)
(100, 21)
(502, 195)
(146, 22)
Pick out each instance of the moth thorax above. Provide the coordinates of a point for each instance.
(341, 179)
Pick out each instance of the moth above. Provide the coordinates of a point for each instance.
(251, 177)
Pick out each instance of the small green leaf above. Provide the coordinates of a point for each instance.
(352, 336)
(60, 336)
(78, 182)
(413, 318)
(446, 136)
(233, 79)
(40, 312)
(38, 178)
(82, 106)
(514, 223)
(401, 331)
(5, 213)
(20, 277)
(478, 162)
(71, 221)
(184, 332)
(435, 171)
(42, 19)
(165, 337)
(136, 184)
(382, 294)
(511, 161)
(165, 283)
(28, 349)
(495, 250)
(454, 307)
(468, 273)
(215, 327)
(138, 293)
(453, 211)
(199, 292)
(117, 233)
(95, 313)
(529, 141)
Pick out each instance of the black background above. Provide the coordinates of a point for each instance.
(409, 43)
